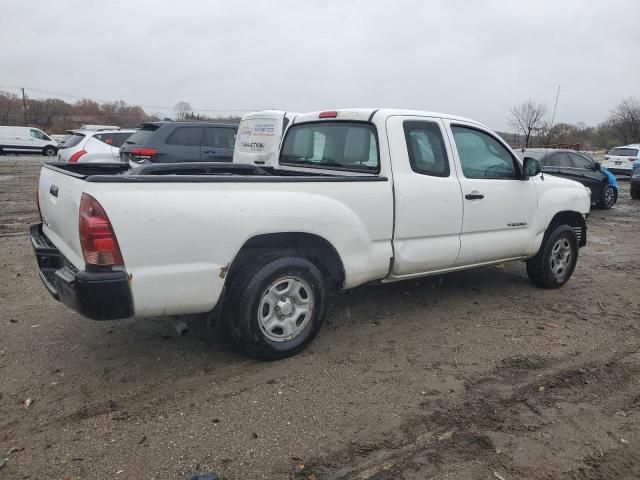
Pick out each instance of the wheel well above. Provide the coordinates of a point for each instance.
(574, 220)
(307, 245)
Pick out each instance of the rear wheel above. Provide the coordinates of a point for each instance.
(553, 265)
(49, 151)
(635, 193)
(277, 307)
(608, 197)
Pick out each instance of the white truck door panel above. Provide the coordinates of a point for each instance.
(428, 204)
(499, 220)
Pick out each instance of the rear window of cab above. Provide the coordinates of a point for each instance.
(332, 145)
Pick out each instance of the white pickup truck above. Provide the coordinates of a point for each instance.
(359, 196)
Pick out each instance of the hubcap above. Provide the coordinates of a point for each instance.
(609, 197)
(561, 255)
(285, 309)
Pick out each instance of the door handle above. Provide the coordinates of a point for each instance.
(474, 196)
(53, 190)
(209, 151)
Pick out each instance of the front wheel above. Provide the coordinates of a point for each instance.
(277, 307)
(49, 151)
(554, 263)
(608, 198)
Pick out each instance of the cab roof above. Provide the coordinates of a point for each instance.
(369, 114)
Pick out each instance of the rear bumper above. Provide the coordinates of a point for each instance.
(95, 295)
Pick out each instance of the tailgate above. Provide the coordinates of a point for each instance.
(59, 196)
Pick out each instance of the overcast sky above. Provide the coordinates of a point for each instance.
(474, 58)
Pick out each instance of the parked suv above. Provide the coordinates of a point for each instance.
(620, 160)
(84, 145)
(171, 142)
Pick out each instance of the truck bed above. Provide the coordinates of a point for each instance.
(200, 172)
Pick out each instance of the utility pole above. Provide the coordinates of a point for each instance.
(24, 105)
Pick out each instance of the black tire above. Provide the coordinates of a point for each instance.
(540, 268)
(635, 193)
(49, 151)
(251, 292)
(608, 198)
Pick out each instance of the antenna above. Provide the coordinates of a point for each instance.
(553, 117)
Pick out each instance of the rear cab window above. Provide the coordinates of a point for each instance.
(332, 145)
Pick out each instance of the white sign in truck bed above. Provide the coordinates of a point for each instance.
(358, 196)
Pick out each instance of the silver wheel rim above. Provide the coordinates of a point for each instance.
(285, 309)
(49, 152)
(561, 257)
(609, 197)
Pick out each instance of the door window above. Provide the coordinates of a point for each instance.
(427, 154)
(218, 137)
(482, 156)
(186, 136)
(561, 160)
(37, 134)
(581, 162)
(108, 138)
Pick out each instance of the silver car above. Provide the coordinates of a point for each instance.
(84, 145)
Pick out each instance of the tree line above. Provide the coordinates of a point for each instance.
(57, 116)
(532, 127)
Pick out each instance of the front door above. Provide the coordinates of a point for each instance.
(500, 209)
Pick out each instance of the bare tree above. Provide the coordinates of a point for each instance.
(527, 118)
(625, 120)
(182, 109)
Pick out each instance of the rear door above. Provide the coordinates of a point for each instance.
(428, 202)
(500, 209)
(182, 145)
(217, 144)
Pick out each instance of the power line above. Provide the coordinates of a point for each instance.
(156, 107)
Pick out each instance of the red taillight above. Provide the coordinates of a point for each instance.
(76, 156)
(97, 239)
(331, 114)
(140, 153)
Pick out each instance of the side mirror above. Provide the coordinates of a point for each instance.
(531, 167)
(597, 167)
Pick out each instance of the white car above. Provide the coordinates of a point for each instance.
(358, 196)
(259, 136)
(26, 140)
(619, 160)
(83, 145)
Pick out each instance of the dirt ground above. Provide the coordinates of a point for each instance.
(474, 375)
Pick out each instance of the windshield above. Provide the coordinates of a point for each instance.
(71, 140)
(332, 145)
(623, 152)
